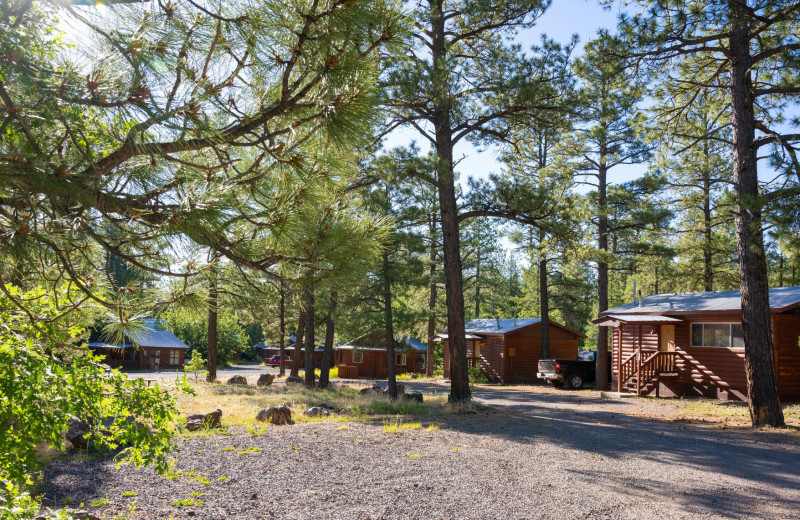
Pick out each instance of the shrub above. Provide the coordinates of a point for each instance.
(476, 375)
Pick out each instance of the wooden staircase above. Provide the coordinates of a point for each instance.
(642, 376)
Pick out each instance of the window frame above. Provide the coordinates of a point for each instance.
(702, 324)
(177, 355)
(400, 359)
(358, 356)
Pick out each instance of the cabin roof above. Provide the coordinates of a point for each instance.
(153, 336)
(376, 340)
(780, 299)
(502, 326)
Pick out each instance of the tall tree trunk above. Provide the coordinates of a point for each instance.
(453, 275)
(327, 354)
(298, 344)
(478, 286)
(282, 317)
(762, 388)
(544, 297)
(388, 319)
(212, 329)
(310, 340)
(432, 300)
(601, 367)
(708, 267)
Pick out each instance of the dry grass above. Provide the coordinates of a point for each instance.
(241, 404)
(727, 413)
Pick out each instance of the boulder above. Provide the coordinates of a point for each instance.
(401, 390)
(237, 380)
(265, 380)
(291, 380)
(317, 411)
(413, 396)
(79, 433)
(375, 389)
(275, 415)
(199, 421)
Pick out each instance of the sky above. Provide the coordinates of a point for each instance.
(561, 20)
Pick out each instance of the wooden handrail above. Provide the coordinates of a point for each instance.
(655, 364)
(626, 371)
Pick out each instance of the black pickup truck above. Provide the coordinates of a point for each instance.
(571, 372)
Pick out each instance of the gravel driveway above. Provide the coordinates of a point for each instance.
(533, 454)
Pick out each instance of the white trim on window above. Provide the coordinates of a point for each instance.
(400, 359)
(711, 333)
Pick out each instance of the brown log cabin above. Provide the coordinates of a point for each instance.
(153, 348)
(508, 350)
(692, 344)
(366, 356)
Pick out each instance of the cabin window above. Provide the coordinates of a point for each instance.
(358, 357)
(399, 359)
(174, 357)
(717, 335)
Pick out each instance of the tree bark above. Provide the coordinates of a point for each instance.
(544, 297)
(432, 300)
(388, 325)
(298, 343)
(212, 330)
(762, 388)
(327, 354)
(282, 362)
(601, 368)
(310, 340)
(453, 275)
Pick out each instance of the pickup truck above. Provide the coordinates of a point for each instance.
(570, 372)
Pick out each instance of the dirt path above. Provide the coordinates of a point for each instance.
(534, 454)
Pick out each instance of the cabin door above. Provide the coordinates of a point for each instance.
(667, 343)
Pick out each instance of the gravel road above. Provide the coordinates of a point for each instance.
(534, 454)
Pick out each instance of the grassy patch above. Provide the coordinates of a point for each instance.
(187, 502)
(223, 479)
(100, 502)
(729, 413)
(249, 451)
(240, 404)
(130, 494)
(398, 426)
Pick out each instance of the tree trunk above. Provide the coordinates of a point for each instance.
(708, 267)
(282, 362)
(327, 354)
(601, 367)
(387, 316)
(298, 344)
(762, 388)
(310, 340)
(212, 330)
(453, 275)
(544, 297)
(432, 300)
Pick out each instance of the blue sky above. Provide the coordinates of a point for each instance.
(561, 20)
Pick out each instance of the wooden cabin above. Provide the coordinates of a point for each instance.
(365, 356)
(692, 344)
(153, 348)
(509, 350)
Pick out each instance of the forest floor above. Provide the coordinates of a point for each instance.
(533, 452)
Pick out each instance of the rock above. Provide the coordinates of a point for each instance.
(317, 411)
(375, 389)
(275, 415)
(414, 396)
(78, 433)
(237, 380)
(199, 421)
(265, 380)
(291, 380)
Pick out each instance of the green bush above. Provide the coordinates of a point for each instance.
(475, 374)
(46, 378)
(192, 329)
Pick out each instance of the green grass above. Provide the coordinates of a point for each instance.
(399, 426)
(187, 502)
(223, 479)
(130, 494)
(100, 502)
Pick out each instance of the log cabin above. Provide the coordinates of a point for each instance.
(508, 350)
(265, 352)
(692, 344)
(152, 348)
(366, 356)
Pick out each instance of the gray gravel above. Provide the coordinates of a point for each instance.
(535, 454)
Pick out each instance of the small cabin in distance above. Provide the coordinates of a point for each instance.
(366, 356)
(152, 348)
(693, 344)
(509, 350)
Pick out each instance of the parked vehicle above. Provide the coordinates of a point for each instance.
(573, 373)
(275, 361)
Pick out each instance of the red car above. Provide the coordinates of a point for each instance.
(275, 361)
